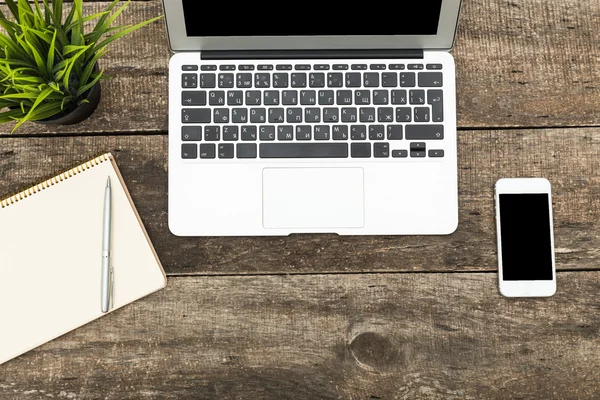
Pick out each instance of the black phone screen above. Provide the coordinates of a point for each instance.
(526, 237)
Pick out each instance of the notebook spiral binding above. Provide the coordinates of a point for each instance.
(53, 181)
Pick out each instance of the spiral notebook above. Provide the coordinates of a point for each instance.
(50, 255)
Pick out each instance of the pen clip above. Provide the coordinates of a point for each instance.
(111, 289)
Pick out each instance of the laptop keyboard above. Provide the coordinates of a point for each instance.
(299, 111)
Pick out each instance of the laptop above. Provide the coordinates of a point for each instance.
(312, 118)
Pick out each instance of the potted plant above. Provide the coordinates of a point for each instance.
(49, 65)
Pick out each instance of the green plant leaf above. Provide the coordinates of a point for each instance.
(123, 32)
(14, 10)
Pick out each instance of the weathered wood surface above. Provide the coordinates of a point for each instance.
(382, 336)
(570, 158)
(529, 63)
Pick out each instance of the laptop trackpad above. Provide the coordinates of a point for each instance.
(313, 198)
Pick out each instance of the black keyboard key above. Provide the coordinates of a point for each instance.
(293, 115)
(266, 133)
(435, 98)
(227, 67)
(321, 67)
(244, 80)
(230, 133)
(389, 79)
(418, 146)
(246, 67)
(436, 153)
(316, 79)
(308, 97)
(344, 97)
(381, 97)
(189, 68)
(189, 81)
(331, 114)
(289, 97)
(312, 114)
(271, 98)
(340, 132)
(281, 80)
(335, 79)
(322, 132)
(421, 114)
(433, 66)
(246, 150)
(208, 81)
(353, 79)
(361, 150)
(249, 133)
(196, 115)
(253, 98)
(208, 67)
(189, 151)
(417, 154)
(381, 150)
(221, 115)
(303, 132)
(302, 67)
(358, 132)
(299, 80)
(239, 115)
(226, 150)
(415, 66)
(371, 79)
(407, 79)
(340, 67)
(399, 97)
(359, 67)
(303, 150)
(216, 98)
(207, 150)
(262, 80)
(226, 81)
(285, 132)
(349, 114)
(212, 133)
(362, 97)
(367, 114)
(276, 115)
(193, 98)
(377, 67)
(191, 133)
(424, 132)
(394, 132)
(235, 98)
(265, 67)
(385, 114)
(283, 67)
(399, 153)
(396, 67)
(326, 97)
(416, 97)
(430, 79)
(403, 114)
(258, 115)
(376, 132)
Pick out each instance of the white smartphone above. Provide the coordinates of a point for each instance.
(525, 237)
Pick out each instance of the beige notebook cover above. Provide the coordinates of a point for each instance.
(50, 256)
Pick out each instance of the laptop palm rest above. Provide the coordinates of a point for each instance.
(313, 198)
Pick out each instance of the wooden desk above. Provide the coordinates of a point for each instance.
(324, 317)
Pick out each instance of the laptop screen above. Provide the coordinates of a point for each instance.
(417, 17)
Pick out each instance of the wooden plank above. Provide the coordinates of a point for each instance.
(525, 64)
(382, 336)
(568, 157)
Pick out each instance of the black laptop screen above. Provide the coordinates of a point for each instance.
(403, 17)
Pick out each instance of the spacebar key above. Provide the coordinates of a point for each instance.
(303, 150)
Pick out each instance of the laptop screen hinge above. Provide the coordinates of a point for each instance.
(309, 54)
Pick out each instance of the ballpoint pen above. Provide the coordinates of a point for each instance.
(106, 267)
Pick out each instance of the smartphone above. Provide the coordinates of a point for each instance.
(525, 237)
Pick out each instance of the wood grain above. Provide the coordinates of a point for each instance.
(570, 158)
(530, 63)
(382, 336)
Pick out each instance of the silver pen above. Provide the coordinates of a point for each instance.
(106, 267)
